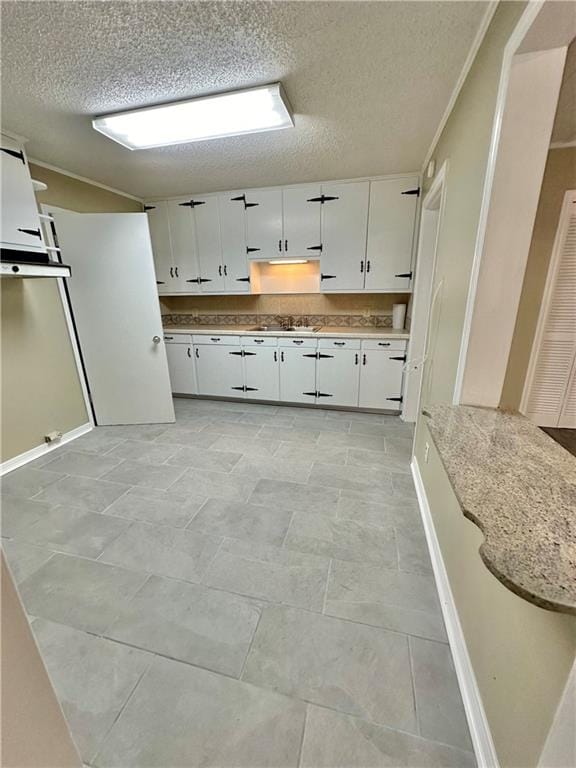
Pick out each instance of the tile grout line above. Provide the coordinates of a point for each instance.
(413, 681)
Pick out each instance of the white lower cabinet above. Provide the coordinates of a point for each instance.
(219, 370)
(297, 374)
(261, 374)
(381, 374)
(181, 367)
(338, 377)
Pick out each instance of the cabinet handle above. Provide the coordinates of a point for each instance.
(275, 356)
(383, 343)
(356, 359)
(368, 266)
(280, 245)
(189, 353)
(160, 282)
(171, 272)
(196, 351)
(297, 341)
(363, 359)
(339, 343)
(362, 266)
(212, 338)
(282, 356)
(168, 338)
(258, 341)
(176, 271)
(220, 270)
(286, 245)
(225, 271)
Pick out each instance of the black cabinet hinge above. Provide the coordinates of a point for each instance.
(320, 355)
(161, 282)
(412, 192)
(240, 354)
(242, 199)
(322, 199)
(328, 277)
(149, 207)
(309, 394)
(403, 358)
(14, 153)
(396, 399)
(405, 274)
(323, 394)
(194, 280)
(250, 389)
(33, 232)
(241, 389)
(314, 247)
(311, 354)
(204, 280)
(242, 279)
(248, 354)
(192, 203)
(251, 250)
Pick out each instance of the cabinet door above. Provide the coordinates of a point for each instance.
(381, 380)
(301, 222)
(181, 368)
(184, 267)
(219, 370)
(234, 256)
(391, 234)
(338, 376)
(161, 247)
(209, 244)
(298, 375)
(261, 373)
(344, 224)
(20, 222)
(264, 224)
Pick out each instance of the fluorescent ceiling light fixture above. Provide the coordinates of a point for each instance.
(288, 261)
(251, 110)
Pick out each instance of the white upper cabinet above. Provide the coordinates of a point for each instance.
(301, 215)
(20, 222)
(184, 269)
(264, 224)
(157, 213)
(207, 221)
(344, 220)
(233, 236)
(391, 224)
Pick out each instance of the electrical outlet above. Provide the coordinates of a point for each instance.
(53, 437)
(366, 312)
(426, 452)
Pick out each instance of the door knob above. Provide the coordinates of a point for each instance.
(156, 339)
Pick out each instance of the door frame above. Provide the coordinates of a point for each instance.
(422, 296)
(559, 239)
(46, 209)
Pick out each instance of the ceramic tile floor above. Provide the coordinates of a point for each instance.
(249, 586)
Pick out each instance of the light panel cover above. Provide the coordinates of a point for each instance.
(252, 110)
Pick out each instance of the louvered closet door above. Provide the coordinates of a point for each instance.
(552, 398)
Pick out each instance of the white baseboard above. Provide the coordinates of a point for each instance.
(475, 714)
(41, 450)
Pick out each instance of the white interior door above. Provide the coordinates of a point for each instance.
(549, 396)
(117, 316)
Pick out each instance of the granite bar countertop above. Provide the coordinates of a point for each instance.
(519, 487)
(325, 331)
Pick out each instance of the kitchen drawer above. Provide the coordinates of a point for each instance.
(178, 338)
(338, 343)
(217, 338)
(385, 344)
(291, 341)
(259, 341)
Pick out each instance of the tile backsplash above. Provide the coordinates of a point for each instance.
(355, 310)
(344, 321)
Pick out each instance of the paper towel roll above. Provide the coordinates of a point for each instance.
(398, 316)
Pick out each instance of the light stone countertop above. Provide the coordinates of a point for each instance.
(325, 331)
(519, 487)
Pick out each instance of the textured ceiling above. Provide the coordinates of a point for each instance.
(368, 81)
